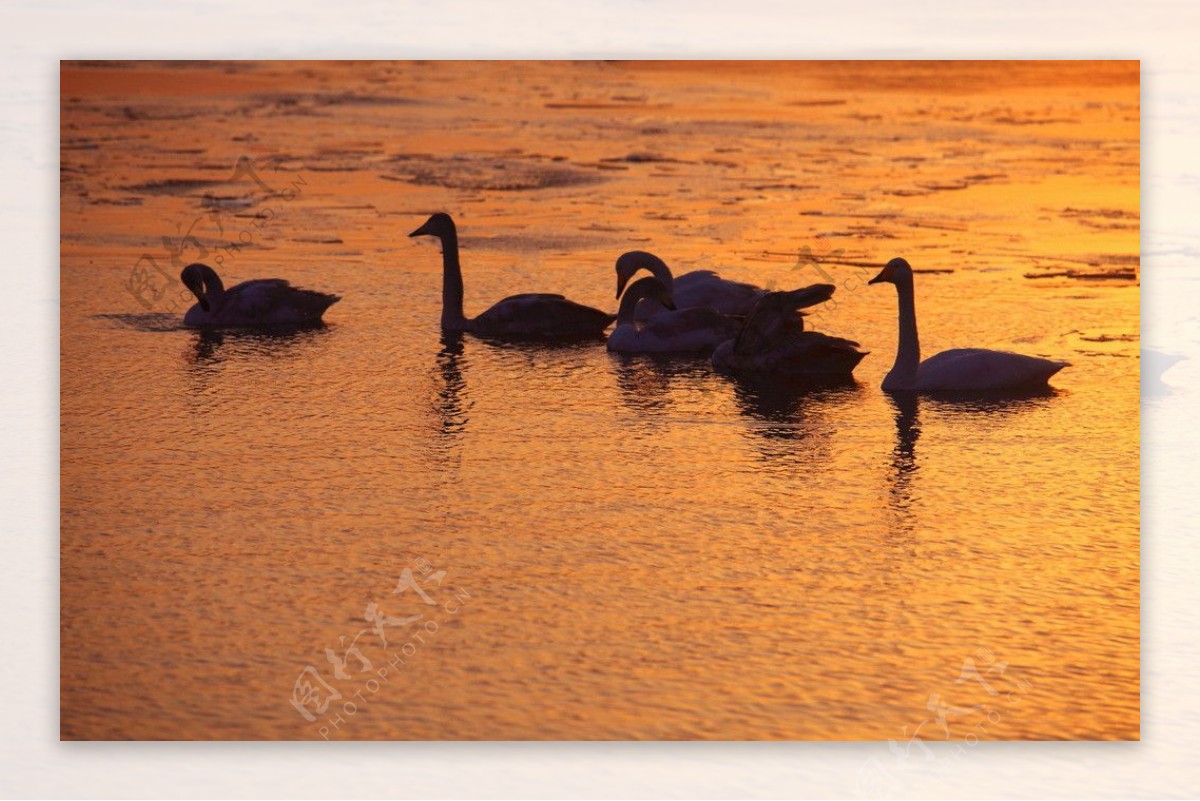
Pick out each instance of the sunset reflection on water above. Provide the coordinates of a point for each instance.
(647, 549)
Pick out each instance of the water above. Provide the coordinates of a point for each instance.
(633, 548)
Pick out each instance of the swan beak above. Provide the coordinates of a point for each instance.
(420, 231)
(622, 280)
(884, 276)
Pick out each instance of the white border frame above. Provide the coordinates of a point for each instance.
(33, 762)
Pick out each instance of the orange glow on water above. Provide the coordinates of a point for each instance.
(651, 550)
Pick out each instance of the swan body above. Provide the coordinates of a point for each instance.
(772, 341)
(262, 302)
(530, 315)
(695, 330)
(958, 370)
(697, 288)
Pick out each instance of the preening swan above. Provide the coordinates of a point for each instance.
(959, 370)
(529, 315)
(695, 330)
(697, 288)
(258, 303)
(772, 341)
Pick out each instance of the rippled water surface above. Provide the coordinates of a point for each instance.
(632, 548)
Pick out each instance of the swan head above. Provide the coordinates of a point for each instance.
(896, 271)
(649, 288)
(629, 263)
(439, 225)
(193, 278)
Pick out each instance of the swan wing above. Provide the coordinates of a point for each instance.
(708, 278)
(531, 296)
(978, 369)
(273, 301)
(801, 354)
(698, 318)
(538, 314)
(258, 296)
(687, 331)
(706, 288)
(696, 276)
(816, 354)
(773, 340)
(774, 315)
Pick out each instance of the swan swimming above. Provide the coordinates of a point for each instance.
(772, 341)
(257, 303)
(694, 330)
(527, 315)
(958, 370)
(697, 288)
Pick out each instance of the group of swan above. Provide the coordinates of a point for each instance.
(699, 288)
(672, 328)
(747, 329)
(772, 340)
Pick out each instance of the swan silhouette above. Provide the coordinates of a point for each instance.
(532, 315)
(958, 370)
(695, 330)
(697, 288)
(262, 302)
(772, 341)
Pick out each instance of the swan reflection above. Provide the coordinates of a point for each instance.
(788, 407)
(648, 382)
(213, 346)
(450, 408)
(946, 409)
(906, 407)
(792, 425)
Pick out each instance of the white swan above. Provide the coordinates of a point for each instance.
(772, 341)
(259, 303)
(530, 315)
(695, 330)
(697, 288)
(959, 370)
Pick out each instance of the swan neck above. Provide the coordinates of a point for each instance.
(452, 284)
(214, 289)
(659, 269)
(908, 352)
(629, 302)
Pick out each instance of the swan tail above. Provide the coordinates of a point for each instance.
(314, 304)
(1052, 367)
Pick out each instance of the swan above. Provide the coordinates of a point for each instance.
(257, 303)
(695, 330)
(697, 288)
(773, 341)
(958, 370)
(528, 315)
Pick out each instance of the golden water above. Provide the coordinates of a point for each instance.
(632, 548)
